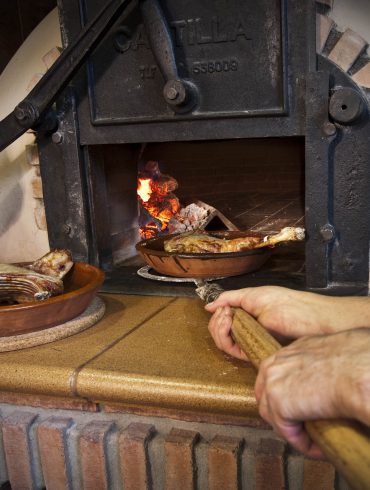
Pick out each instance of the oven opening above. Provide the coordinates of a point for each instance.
(254, 185)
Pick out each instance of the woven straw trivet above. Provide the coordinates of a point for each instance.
(89, 317)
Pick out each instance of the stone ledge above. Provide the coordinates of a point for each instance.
(151, 353)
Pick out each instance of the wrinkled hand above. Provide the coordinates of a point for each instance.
(219, 327)
(286, 313)
(314, 378)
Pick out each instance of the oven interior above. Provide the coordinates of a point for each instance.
(257, 184)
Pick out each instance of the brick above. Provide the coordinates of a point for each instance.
(269, 465)
(362, 77)
(3, 470)
(93, 455)
(224, 468)
(34, 81)
(40, 216)
(32, 155)
(16, 438)
(134, 457)
(347, 49)
(179, 460)
(324, 25)
(319, 475)
(54, 452)
(37, 188)
(51, 56)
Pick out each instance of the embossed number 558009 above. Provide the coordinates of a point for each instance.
(200, 67)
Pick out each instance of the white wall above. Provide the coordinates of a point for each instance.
(20, 239)
(353, 14)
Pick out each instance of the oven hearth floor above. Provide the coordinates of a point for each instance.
(147, 354)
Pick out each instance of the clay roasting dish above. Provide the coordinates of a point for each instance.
(81, 286)
(202, 265)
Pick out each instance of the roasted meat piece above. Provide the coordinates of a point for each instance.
(23, 285)
(196, 242)
(55, 263)
(37, 281)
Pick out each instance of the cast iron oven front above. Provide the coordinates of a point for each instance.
(205, 70)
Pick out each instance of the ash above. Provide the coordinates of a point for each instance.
(189, 218)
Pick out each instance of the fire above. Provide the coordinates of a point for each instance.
(144, 189)
(158, 203)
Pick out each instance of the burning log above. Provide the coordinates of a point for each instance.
(161, 211)
(155, 191)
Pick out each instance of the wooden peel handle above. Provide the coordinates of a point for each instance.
(345, 443)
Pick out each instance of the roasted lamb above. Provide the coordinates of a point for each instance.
(196, 242)
(55, 263)
(37, 281)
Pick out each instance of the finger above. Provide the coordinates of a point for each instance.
(292, 431)
(237, 352)
(260, 383)
(212, 324)
(224, 334)
(232, 298)
(296, 435)
(222, 331)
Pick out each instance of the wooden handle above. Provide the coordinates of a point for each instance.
(345, 443)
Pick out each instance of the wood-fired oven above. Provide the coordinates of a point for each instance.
(231, 99)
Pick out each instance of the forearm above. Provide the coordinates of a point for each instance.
(294, 314)
(346, 313)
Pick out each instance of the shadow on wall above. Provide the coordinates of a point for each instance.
(11, 193)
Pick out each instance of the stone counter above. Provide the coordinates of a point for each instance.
(146, 352)
(142, 400)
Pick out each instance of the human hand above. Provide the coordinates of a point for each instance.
(287, 313)
(321, 377)
(219, 327)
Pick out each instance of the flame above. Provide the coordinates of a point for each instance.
(144, 190)
(156, 197)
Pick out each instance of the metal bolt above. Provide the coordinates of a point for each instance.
(172, 93)
(26, 113)
(57, 137)
(329, 129)
(346, 106)
(327, 232)
(19, 113)
(67, 229)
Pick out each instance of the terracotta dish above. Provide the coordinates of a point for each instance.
(81, 285)
(199, 265)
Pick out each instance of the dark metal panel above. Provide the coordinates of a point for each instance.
(337, 184)
(101, 248)
(231, 50)
(266, 100)
(62, 167)
(318, 179)
(351, 189)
